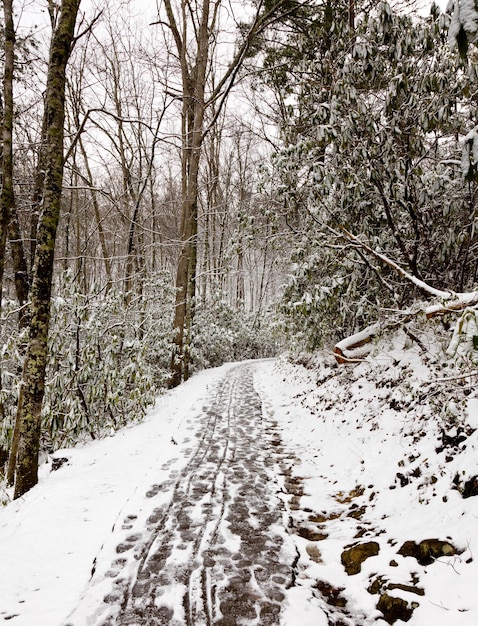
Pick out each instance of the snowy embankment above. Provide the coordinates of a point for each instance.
(385, 453)
(389, 451)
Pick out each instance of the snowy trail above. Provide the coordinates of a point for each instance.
(233, 501)
(213, 549)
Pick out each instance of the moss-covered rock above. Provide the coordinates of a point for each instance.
(394, 608)
(311, 534)
(352, 558)
(331, 594)
(380, 585)
(408, 588)
(428, 550)
(377, 585)
(470, 488)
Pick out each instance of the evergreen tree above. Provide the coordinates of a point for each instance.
(371, 144)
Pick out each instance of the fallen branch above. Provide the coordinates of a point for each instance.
(463, 300)
(446, 295)
(354, 348)
(451, 300)
(453, 378)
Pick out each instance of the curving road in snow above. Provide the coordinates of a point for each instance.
(233, 501)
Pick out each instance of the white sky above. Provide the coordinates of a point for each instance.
(34, 12)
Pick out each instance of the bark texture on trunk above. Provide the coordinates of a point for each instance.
(33, 383)
(194, 106)
(6, 197)
(196, 67)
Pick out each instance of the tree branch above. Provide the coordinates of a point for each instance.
(420, 284)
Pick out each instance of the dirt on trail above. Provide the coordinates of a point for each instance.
(213, 551)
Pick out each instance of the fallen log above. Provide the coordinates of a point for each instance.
(354, 348)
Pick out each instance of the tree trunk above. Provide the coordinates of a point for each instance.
(185, 290)
(193, 88)
(7, 198)
(38, 185)
(20, 267)
(195, 45)
(29, 411)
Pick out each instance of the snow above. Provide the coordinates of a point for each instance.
(50, 538)
(360, 443)
(358, 345)
(464, 16)
(468, 15)
(349, 432)
(460, 301)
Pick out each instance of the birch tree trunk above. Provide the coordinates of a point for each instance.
(33, 383)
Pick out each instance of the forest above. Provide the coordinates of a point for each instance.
(202, 182)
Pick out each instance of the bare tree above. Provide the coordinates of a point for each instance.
(125, 111)
(7, 197)
(195, 34)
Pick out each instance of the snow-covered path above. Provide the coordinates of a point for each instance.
(236, 498)
(211, 550)
(179, 520)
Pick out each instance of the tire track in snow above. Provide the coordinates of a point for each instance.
(213, 554)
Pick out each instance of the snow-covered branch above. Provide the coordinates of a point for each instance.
(413, 279)
(462, 301)
(355, 347)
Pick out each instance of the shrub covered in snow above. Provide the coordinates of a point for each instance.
(222, 333)
(108, 361)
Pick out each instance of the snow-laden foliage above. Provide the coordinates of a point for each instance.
(12, 347)
(382, 451)
(469, 157)
(222, 333)
(108, 361)
(110, 358)
(373, 133)
(464, 344)
(464, 24)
